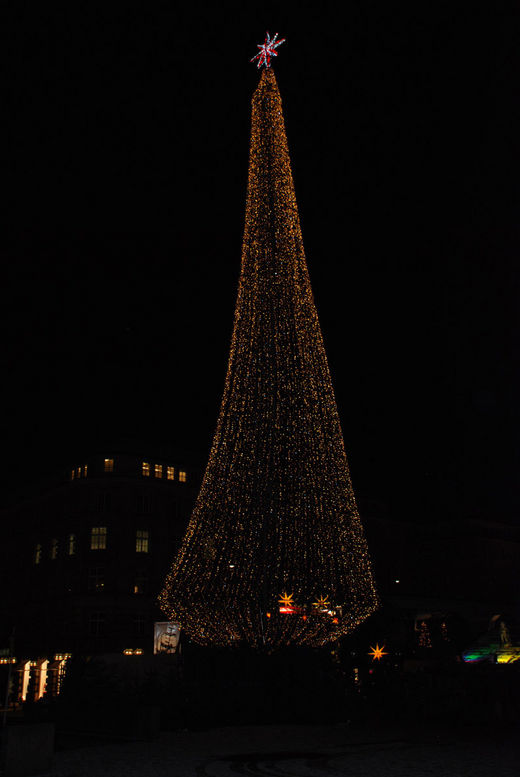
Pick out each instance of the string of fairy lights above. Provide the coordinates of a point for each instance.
(274, 553)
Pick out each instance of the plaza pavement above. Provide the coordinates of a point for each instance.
(302, 751)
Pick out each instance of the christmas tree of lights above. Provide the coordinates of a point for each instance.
(274, 553)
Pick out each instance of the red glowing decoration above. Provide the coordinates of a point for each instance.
(267, 50)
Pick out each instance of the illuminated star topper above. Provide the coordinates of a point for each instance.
(267, 50)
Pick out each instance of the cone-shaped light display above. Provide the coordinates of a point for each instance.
(274, 553)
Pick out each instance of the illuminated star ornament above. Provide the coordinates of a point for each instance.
(267, 50)
(321, 602)
(286, 600)
(377, 652)
(287, 604)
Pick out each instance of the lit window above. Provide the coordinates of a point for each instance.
(158, 470)
(146, 469)
(72, 544)
(26, 673)
(97, 624)
(141, 541)
(72, 474)
(85, 470)
(98, 538)
(78, 472)
(37, 554)
(42, 680)
(109, 465)
(96, 579)
(182, 477)
(170, 472)
(140, 582)
(54, 548)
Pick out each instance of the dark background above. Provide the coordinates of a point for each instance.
(127, 152)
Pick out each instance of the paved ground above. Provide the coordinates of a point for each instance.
(302, 751)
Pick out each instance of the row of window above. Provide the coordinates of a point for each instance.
(96, 580)
(98, 621)
(107, 501)
(78, 472)
(158, 471)
(98, 541)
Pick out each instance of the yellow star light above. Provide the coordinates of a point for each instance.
(377, 652)
(321, 601)
(286, 600)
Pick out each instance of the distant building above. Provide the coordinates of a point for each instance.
(83, 562)
(466, 567)
(81, 565)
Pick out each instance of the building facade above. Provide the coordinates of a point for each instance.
(83, 563)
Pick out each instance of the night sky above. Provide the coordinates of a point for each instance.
(128, 133)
